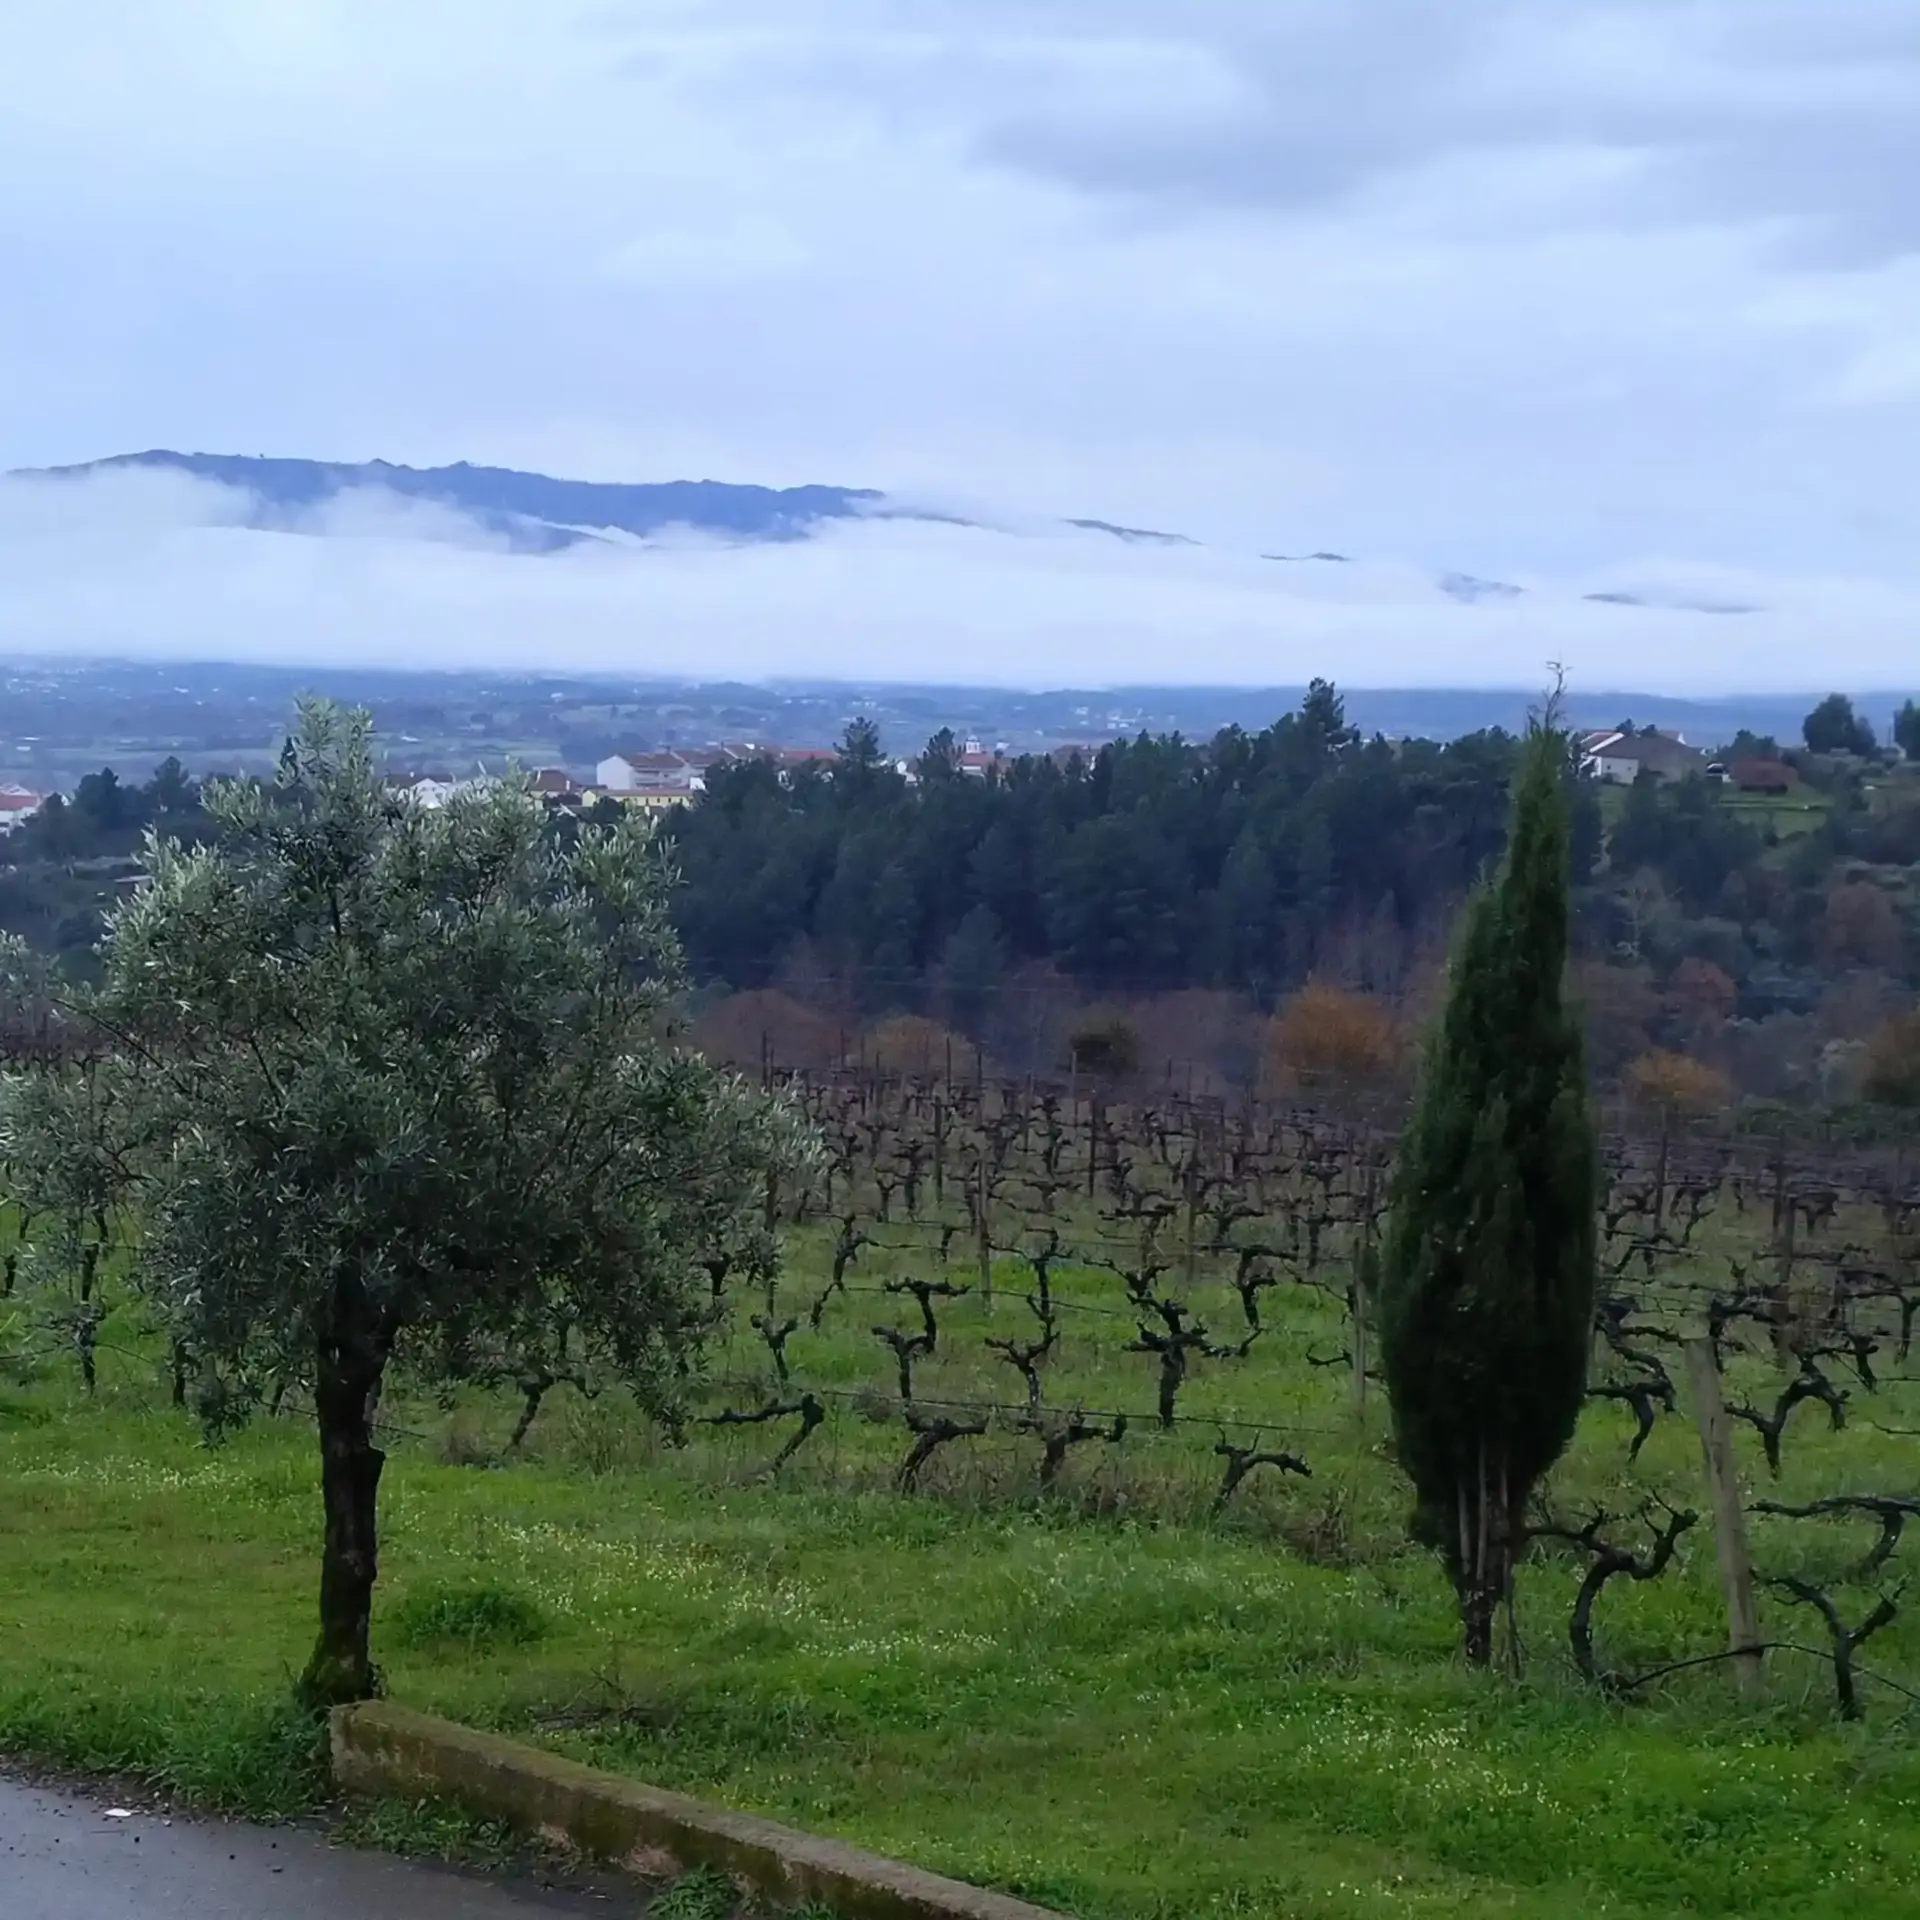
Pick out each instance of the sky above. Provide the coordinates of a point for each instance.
(1553, 291)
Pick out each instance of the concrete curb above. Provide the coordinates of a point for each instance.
(378, 1748)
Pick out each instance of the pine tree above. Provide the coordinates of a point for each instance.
(1906, 730)
(1487, 1283)
(974, 968)
(1834, 727)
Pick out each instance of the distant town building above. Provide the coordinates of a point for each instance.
(978, 761)
(649, 803)
(623, 773)
(424, 789)
(1616, 755)
(436, 788)
(790, 760)
(680, 771)
(18, 806)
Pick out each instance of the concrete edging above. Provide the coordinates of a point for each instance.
(378, 1748)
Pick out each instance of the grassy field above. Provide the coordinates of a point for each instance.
(1785, 815)
(1104, 1700)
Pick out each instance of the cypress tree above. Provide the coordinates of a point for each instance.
(1488, 1272)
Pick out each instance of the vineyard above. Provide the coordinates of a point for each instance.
(1050, 1459)
(1003, 1293)
(1160, 1309)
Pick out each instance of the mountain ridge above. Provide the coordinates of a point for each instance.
(535, 511)
(538, 513)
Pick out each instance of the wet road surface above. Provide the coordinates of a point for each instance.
(65, 1858)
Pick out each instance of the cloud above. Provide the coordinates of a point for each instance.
(743, 249)
(1514, 288)
(108, 573)
(1796, 112)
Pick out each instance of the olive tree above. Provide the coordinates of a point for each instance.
(64, 1227)
(400, 1086)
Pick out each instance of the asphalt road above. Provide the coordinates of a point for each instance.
(64, 1858)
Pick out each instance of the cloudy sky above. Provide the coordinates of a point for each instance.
(1550, 290)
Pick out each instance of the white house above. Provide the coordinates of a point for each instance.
(436, 789)
(673, 773)
(1622, 757)
(18, 806)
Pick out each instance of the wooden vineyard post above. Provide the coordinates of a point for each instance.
(986, 1230)
(1362, 1359)
(1362, 1303)
(1785, 1312)
(1729, 1515)
(1190, 1180)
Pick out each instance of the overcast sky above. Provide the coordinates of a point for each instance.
(1529, 287)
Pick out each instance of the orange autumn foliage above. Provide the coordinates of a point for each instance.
(1328, 1038)
(1679, 1085)
(910, 1044)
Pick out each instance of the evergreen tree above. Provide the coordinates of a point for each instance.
(1906, 730)
(171, 790)
(974, 966)
(1487, 1282)
(860, 747)
(892, 968)
(1834, 727)
(941, 760)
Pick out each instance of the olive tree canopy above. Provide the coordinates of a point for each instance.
(399, 1084)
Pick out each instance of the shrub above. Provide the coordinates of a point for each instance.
(1329, 1039)
(1677, 1085)
(1107, 1047)
(1893, 1062)
(909, 1043)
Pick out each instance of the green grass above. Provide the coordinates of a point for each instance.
(1107, 1700)
(474, 1615)
(1789, 815)
(1121, 1718)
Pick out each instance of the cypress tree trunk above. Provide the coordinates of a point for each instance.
(346, 1390)
(1488, 1272)
(1481, 1556)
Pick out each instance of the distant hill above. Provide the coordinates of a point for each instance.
(536, 513)
(534, 510)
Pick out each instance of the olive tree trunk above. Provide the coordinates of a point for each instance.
(345, 1395)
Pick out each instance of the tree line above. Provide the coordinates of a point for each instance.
(1154, 864)
(1774, 937)
(1777, 940)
